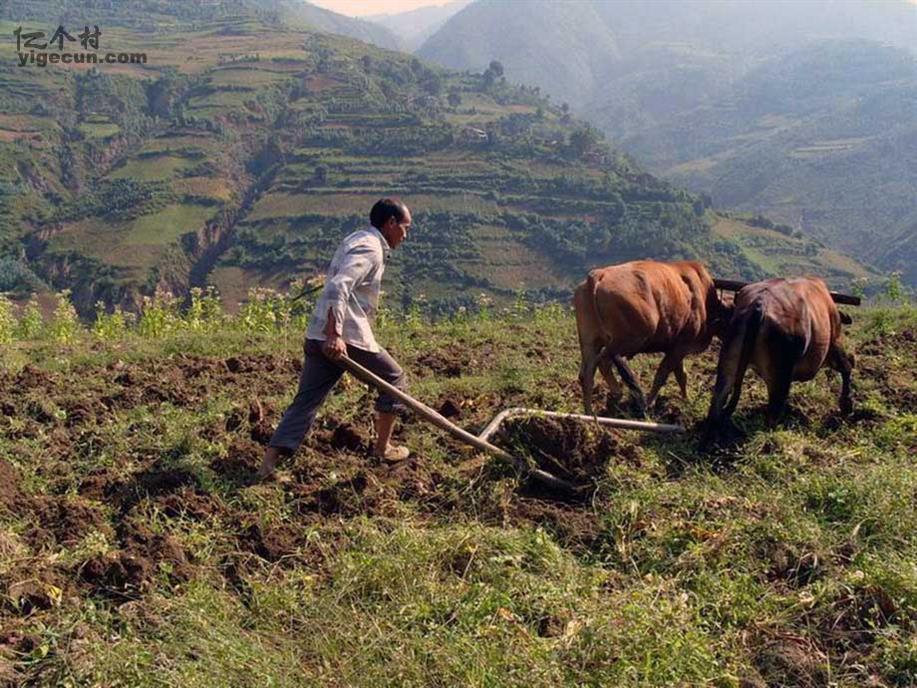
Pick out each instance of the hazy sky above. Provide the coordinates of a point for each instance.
(358, 8)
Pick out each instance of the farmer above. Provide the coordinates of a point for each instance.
(341, 324)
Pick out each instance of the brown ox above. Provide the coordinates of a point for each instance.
(786, 329)
(643, 307)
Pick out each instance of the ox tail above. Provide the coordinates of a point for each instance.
(735, 357)
(752, 327)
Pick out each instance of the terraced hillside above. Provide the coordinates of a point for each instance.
(818, 138)
(244, 147)
(802, 111)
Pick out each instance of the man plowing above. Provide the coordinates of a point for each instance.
(342, 324)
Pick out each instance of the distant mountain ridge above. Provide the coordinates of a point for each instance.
(531, 41)
(822, 139)
(798, 110)
(416, 26)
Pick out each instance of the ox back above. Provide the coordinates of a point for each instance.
(643, 307)
(786, 329)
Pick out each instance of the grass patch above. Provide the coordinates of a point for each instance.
(152, 168)
(789, 561)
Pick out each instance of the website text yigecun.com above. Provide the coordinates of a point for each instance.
(35, 43)
(42, 59)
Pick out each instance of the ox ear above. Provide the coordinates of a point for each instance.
(845, 319)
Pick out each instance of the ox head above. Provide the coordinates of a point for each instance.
(719, 314)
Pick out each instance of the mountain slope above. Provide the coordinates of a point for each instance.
(560, 47)
(301, 13)
(243, 167)
(157, 16)
(618, 37)
(416, 26)
(819, 139)
(748, 102)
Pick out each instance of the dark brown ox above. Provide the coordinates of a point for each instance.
(643, 307)
(786, 329)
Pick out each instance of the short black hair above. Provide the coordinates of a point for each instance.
(386, 208)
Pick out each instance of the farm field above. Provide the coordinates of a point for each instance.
(135, 550)
(779, 254)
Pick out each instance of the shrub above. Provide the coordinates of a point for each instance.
(205, 312)
(65, 324)
(7, 321)
(894, 292)
(258, 314)
(159, 315)
(109, 326)
(31, 321)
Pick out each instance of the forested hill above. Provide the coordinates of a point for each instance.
(246, 146)
(414, 27)
(822, 139)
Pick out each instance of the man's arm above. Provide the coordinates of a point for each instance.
(357, 264)
(334, 346)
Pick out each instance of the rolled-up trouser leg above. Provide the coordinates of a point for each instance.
(318, 377)
(383, 365)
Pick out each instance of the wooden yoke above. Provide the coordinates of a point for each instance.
(735, 285)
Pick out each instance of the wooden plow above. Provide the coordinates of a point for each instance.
(735, 285)
(482, 441)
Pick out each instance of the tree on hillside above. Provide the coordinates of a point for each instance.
(583, 140)
(455, 98)
(496, 67)
(432, 84)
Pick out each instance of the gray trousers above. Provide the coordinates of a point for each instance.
(318, 377)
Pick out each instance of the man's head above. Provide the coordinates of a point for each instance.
(391, 217)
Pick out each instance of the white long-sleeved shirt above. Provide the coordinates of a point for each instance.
(351, 290)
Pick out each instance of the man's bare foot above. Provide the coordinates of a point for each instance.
(269, 463)
(393, 453)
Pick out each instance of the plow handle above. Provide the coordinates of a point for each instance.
(442, 423)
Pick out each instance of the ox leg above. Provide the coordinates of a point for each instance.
(778, 391)
(719, 411)
(785, 352)
(842, 362)
(590, 356)
(608, 375)
(719, 416)
(668, 365)
(627, 375)
(737, 387)
(682, 378)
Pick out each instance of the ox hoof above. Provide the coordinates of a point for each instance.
(722, 434)
(641, 410)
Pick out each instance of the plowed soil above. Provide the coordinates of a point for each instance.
(129, 501)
